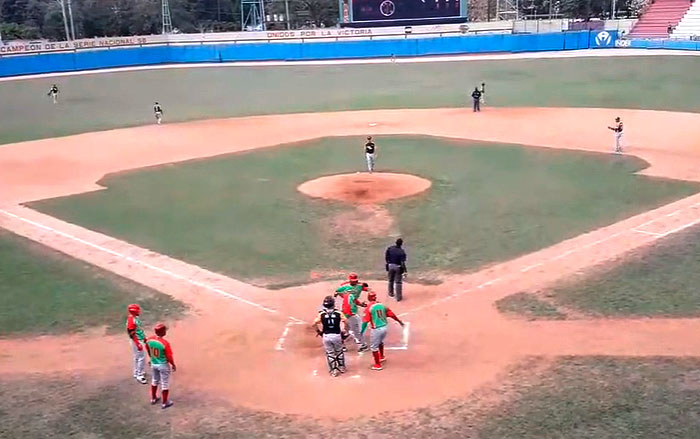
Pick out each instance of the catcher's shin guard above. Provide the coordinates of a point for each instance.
(335, 360)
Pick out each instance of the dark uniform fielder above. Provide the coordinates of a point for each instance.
(53, 93)
(617, 129)
(158, 112)
(370, 154)
(476, 99)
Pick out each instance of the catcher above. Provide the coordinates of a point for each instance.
(333, 331)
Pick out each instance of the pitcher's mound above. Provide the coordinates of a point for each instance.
(365, 188)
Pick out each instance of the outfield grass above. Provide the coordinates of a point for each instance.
(658, 281)
(241, 214)
(109, 100)
(43, 291)
(586, 398)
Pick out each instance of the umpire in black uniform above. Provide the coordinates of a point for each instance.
(476, 99)
(395, 259)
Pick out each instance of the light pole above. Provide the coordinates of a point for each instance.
(612, 13)
(65, 20)
(70, 17)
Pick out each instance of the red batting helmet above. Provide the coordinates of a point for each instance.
(371, 296)
(352, 277)
(134, 309)
(160, 329)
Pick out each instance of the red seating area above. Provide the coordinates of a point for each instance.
(654, 23)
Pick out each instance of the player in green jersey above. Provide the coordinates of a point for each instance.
(162, 365)
(376, 315)
(137, 338)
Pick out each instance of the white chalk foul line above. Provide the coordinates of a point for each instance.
(144, 264)
(564, 255)
(280, 341)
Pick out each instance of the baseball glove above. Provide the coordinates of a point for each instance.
(344, 335)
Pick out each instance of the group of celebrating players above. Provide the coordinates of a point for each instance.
(335, 325)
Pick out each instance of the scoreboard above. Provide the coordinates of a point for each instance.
(378, 11)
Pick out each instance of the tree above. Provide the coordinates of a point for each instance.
(318, 12)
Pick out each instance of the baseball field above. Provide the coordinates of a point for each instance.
(552, 286)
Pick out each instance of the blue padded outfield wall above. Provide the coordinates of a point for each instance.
(278, 51)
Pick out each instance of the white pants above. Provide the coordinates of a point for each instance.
(618, 141)
(159, 117)
(139, 359)
(370, 161)
(354, 329)
(161, 375)
(376, 338)
(55, 97)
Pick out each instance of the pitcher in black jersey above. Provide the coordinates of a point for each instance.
(332, 329)
(370, 154)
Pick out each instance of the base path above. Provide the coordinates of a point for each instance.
(458, 341)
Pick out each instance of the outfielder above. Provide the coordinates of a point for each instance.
(162, 365)
(617, 129)
(370, 154)
(376, 315)
(53, 92)
(158, 112)
(332, 330)
(137, 338)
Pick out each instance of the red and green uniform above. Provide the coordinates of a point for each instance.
(346, 288)
(159, 350)
(134, 329)
(350, 304)
(376, 315)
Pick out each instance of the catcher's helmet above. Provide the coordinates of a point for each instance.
(134, 309)
(329, 302)
(371, 296)
(160, 329)
(352, 277)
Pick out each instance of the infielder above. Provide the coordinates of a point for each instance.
(370, 154)
(476, 100)
(158, 112)
(162, 365)
(376, 315)
(617, 129)
(53, 92)
(137, 338)
(333, 331)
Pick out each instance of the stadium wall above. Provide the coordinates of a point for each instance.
(296, 51)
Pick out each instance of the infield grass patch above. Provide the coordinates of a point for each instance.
(661, 280)
(241, 214)
(43, 291)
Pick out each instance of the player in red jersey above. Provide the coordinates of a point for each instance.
(376, 315)
(162, 364)
(137, 338)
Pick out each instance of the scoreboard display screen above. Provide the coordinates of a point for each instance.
(390, 10)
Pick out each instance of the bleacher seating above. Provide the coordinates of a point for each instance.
(660, 15)
(689, 26)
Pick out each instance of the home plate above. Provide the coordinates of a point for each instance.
(373, 124)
